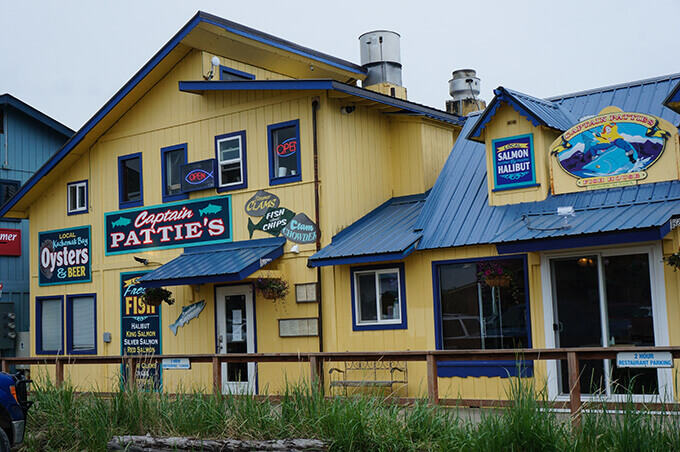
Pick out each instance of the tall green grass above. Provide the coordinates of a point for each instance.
(62, 419)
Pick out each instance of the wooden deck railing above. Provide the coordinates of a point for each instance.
(573, 356)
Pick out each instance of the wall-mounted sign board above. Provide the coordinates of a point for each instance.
(64, 256)
(645, 359)
(273, 221)
(300, 229)
(176, 364)
(10, 242)
(197, 175)
(261, 201)
(513, 162)
(171, 225)
(298, 327)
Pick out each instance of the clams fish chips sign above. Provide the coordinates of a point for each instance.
(171, 225)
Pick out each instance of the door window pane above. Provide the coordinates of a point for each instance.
(389, 296)
(237, 336)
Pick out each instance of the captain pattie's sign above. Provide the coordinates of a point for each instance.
(64, 256)
(612, 149)
(513, 162)
(171, 225)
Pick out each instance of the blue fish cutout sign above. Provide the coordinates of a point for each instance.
(188, 313)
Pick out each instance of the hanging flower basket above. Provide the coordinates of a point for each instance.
(272, 288)
(154, 296)
(673, 260)
(497, 281)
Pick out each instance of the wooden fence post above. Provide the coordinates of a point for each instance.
(432, 381)
(59, 372)
(132, 372)
(574, 389)
(316, 372)
(217, 375)
(5, 366)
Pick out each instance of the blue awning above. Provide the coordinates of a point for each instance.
(216, 263)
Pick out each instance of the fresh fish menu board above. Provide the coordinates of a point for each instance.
(170, 225)
(140, 330)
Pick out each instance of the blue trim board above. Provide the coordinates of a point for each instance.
(515, 188)
(164, 174)
(501, 368)
(273, 179)
(125, 204)
(236, 72)
(38, 323)
(403, 325)
(363, 258)
(70, 325)
(87, 197)
(244, 165)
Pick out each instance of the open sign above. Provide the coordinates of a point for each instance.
(197, 175)
(288, 147)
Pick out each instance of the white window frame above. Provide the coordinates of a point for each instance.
(659, 315)
(357, 301)
(221, 162)
(75, 186)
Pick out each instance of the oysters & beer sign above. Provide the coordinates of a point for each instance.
(64, 256)
(171, 225)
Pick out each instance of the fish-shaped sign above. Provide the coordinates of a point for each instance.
(261, 201)
(272, 222)
(121, 221)
(197, 175)
(188, 313)
(301, 230)
(210, 209)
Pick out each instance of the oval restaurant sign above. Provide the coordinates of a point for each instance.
(610, 150)
(64, 256)
(170, 225)
(261, 201)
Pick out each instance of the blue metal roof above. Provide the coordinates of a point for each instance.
(216, 263)
(537, 111)
(8, 99)
(198, 87)
(384, 234)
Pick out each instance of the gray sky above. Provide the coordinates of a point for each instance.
(67, 58)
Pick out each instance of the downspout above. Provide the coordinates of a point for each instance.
(315, 139)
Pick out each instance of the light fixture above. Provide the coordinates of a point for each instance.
(585, 262)
(141, 260)
(295, 249)
(214, 62)
(565, 212)
(347, 109)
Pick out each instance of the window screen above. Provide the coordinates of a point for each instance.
(51, 324)
(83, 316)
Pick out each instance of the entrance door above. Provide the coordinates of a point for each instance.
(236, 334)
(607, 299)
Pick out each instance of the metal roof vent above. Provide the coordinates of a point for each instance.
(381, 57)
(464, 89)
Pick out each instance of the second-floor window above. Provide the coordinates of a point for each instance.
(284, 152)
(77, 197)
(172, 157)
(231, 161)
(130, 180)
(8, 188)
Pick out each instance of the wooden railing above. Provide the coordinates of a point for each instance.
(573, 356)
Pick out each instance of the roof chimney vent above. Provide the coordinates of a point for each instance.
(381, 57)
(464, 89)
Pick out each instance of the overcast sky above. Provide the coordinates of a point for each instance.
(67, 58)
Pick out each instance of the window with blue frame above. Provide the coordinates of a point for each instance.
(230, 151)
(81, 324)
(481, 305)
(284, 152)
(228, 74)
(172, 157)
(77, 197)
(378, 297)
(49, 320)
(130, 186)
(8, 188)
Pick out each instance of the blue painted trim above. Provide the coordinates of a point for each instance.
(501, 95)
(502, 369)
(126, 204)
(403, 325)
(87, 197)
(244, 165)
(582, 240)
(38, 323)
(476, 368)
(273, 180)
(69, 324)
(516, 185)
(324, 262)
(164, 183)
(515, 188)
(8, 99)
(235, 72)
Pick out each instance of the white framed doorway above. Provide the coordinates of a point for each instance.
(235, 332)
(606, 297)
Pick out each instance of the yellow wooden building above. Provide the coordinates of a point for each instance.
(234, 157)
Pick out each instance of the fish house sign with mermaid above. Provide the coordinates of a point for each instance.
(172, 225)
(611, 149)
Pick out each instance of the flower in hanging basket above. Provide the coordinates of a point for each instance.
(272, 288)
(154, 296)
(673, 260)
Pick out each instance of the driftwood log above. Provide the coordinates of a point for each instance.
(152, 444)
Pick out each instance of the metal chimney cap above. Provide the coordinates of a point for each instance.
(379, 31)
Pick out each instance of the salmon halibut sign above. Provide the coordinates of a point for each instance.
(171, 225)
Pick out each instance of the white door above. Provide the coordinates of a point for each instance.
(236, 334)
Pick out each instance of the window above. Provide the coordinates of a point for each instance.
(49, 319)
(81, 324)
(231, 161)
(481, 305)
(234, 75)
(77, 197)
(284, 152)
(378, 298)
(8, 188)
(171, 159)
(130, 180)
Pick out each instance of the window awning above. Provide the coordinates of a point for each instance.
(216, 263)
